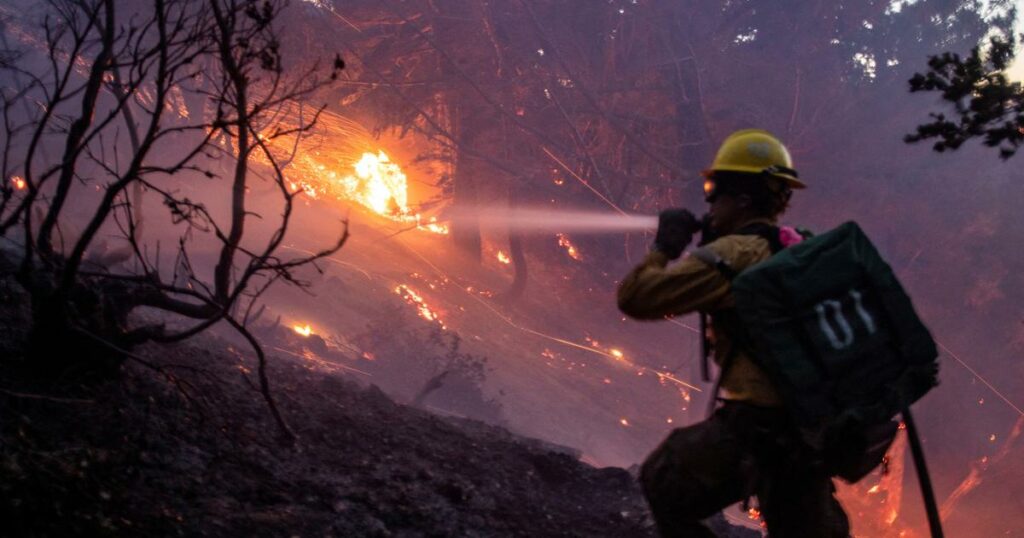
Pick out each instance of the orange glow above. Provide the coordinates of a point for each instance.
(624, 422)
(382, 186)
(570, 249)
(19, 182)
(754, 513)
(351, 169)
(378, 184)
(302, 330)
(616, 353)
(503, 258)
(422, 309)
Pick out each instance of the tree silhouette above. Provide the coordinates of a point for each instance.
(986, 104)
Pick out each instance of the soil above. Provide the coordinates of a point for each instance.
(182, 444)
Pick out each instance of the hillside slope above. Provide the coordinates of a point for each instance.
(183, 445)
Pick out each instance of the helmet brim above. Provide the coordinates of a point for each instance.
(790, 181)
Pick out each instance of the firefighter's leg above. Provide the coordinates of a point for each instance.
(693, 474)
(800, 503)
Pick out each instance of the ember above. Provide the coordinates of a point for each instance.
(302, 330)
(503, 258)
(19, 182)
(422, 309)
(570, 249)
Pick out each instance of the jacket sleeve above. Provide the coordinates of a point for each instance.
(654, 290)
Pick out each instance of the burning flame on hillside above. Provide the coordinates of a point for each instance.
(302, 330)
(342, 161)
(423, 310)
(376, 183)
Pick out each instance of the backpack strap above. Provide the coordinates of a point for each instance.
(711, 258)
(769, 233)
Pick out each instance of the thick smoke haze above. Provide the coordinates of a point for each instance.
(536, 139)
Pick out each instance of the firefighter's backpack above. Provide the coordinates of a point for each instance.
(830, 324)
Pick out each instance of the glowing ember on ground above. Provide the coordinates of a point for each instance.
(503, 258)
(302, 330)
(616, 353)
(19, 182)
(624, 422)
(422, 309)
(754, 513)
(570, 249)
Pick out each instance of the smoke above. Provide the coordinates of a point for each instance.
(546, 220)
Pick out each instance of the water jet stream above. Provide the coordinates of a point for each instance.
(548, 220)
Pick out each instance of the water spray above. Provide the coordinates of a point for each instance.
(528, 220)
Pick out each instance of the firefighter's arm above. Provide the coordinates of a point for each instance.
(654, 290)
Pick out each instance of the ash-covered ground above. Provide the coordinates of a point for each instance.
(182, 444)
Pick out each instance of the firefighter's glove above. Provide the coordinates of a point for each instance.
(675, 231)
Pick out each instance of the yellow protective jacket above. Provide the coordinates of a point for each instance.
(654, 290)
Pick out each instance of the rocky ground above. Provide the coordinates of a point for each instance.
(181, 444)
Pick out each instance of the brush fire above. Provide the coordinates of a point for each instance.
(396, 221)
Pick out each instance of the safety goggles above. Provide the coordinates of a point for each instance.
(712, 189)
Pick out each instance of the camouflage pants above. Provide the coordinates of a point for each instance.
(740, 451)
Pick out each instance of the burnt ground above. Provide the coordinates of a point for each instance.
(181, 444)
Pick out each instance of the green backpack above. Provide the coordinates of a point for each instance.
(829, 323)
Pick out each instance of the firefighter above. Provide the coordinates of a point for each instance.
(748, 447)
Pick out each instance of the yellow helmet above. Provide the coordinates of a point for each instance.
(755, 151)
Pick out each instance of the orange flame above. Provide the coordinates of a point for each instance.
(503, 258)
(373, 180)
(570, 249)
(302, 330)
(422, 309)
(378, 184)
(19, 182)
